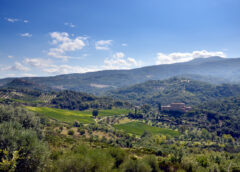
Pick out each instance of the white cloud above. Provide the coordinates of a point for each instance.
(118, 61)
(65, 44)
(132, 61)
(119, 55)
(10, 57)
(25, 21)
(69, 24)
(85, 55)
(11, 75)
(66, 69)
(12, 20)
(28, 75)
(16, 67)
(19, 67)
(38, 62)
(103, 44)
(183, 57)
(124, 45)
(26, 35)
(47, 65)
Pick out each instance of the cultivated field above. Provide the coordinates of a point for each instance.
(70, 116)
(64, 115)
(138, 128)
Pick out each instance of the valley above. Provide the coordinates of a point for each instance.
(119, 86)
(131, 123)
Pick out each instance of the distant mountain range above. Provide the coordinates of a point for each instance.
(213, 70)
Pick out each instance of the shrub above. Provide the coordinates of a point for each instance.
(81, 131)
(136, 165)
(32, 151)
(152, 162)
(119, 156)
(76, 124)
(203, 161)
(70, 132)
(83, 159)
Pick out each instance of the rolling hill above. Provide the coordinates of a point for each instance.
(176, 89)
(214, 70)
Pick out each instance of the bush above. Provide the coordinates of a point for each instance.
(83, 159)
(70, 132)
(32, 151)
(119, 156)
(136, 166)
(152, 162)
(81, 131)
(20, 131)
(203, 161)
(76, 124)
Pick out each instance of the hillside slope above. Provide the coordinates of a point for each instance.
(175, 89)
(214, 69)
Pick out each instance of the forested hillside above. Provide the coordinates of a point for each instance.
(177, 89)
(34, 96)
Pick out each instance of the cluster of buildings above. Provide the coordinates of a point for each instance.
(181, 107)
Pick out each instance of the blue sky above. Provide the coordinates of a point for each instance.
(41, 38)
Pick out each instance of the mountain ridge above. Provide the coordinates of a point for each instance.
(213, 69)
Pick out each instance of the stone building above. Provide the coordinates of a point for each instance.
(181, 107)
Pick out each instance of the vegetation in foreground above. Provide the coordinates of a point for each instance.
(29, 142)
(69, 131)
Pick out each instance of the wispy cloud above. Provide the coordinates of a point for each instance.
(38, 62)
(26, 35)
(17, 66)
(28, 75)
(48, 66)
(103, 44)
(183, 57)
(124, 45)
(69, 24)
(14, 20)
(65, 44)
(117, 61)
(11, 20)
(66, 69)
(11, 75)
(10, 57)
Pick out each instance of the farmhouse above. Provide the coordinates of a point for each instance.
(181, 107)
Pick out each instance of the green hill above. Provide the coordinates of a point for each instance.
(175, 89)
(214, 70)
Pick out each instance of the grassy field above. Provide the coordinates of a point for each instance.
(110, 112)
(70, 116)
(138, 128)
(64, 115)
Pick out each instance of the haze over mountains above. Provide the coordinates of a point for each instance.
(213, 70)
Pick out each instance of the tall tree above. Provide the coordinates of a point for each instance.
(95, 113)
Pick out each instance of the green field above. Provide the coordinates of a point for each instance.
(138, 128)
(111, 112)
(70, 116)
(64, 115)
